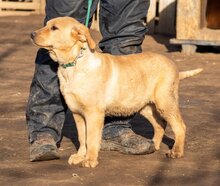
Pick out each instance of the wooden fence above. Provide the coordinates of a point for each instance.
(161, 16)
(21, 7)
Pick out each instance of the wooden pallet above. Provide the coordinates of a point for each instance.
(21, 7)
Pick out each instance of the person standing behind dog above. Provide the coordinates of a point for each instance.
(122, 25)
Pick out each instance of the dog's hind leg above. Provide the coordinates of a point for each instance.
(94, 125)
(157, 122)
(81, 128)
(167, 105)
(176, 122)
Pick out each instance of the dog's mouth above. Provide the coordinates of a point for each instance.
(35, 41)
(48, 47)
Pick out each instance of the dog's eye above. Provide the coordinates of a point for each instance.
(54, 28)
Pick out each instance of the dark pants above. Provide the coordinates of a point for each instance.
(123, 29)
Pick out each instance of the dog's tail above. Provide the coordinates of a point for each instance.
(189, 73)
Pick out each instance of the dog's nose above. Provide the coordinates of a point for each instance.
(33, 35)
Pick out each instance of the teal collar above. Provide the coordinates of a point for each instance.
(71, 64)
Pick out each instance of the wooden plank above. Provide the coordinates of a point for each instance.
(19, 5)
(151, 16)
(195, 42)
(167, 16)
(15, 13)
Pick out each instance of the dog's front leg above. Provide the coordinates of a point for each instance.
(94, 125)
(81, 128)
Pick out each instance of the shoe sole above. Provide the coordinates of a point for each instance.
(44, 154)
(113, 146)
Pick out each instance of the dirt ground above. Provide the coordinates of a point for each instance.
(199, 103)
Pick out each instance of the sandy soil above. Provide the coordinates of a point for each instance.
(199, 103)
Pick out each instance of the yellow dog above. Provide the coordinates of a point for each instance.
(96, 84)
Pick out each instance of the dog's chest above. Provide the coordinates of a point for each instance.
(70, 86)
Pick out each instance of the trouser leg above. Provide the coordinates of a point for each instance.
(122, 24)
(46, 109)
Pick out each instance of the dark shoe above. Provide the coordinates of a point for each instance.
(44, 148)
(128, 143)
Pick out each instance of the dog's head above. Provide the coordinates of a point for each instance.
(63, 37)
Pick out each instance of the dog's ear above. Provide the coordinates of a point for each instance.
(84, 35)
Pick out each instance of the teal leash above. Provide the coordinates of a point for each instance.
(88, 12)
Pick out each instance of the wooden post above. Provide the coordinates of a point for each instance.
(188, 49)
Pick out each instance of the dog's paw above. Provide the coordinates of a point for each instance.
(75, 159)
(90, 163)
(173, 154)
(157, 146)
